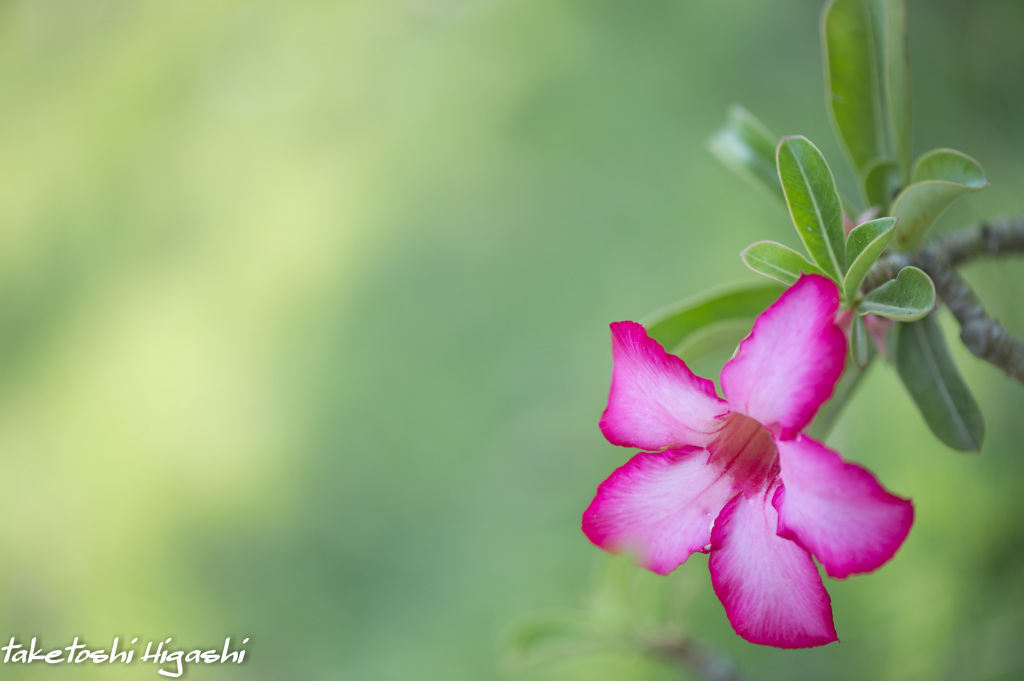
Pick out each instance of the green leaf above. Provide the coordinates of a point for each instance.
(859, 343)
(865, 243)
(857, 88)
(814, 203)
(829, 413)
(549, 636)
(940, 178)
(671, 325)
(748, 148)
(910, 296)
(778, 262)
(934, 383)
(898, 62)
(882, 178)
(719, 336)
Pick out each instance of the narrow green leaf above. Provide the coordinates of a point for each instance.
(813, 203)
(830, 412)
(899, 82)
(778, 262)
(931, 377)
(746, 146)
(721, 336)
(910, 296)
(859, 343)
(671, 325)
(882, 178)
(940, 178)
(865, 243)
(856, 46)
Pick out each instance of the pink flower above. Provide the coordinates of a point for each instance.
(736, 477)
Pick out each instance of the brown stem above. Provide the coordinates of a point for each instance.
(984, 336)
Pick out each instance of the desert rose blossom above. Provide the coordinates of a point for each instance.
(737, 478)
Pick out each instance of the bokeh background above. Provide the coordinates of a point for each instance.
(303, 313)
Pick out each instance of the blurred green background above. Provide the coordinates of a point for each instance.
(303, 315)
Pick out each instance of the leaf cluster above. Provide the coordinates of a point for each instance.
(869, 100)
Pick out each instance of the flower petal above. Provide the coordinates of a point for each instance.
(659, 507)
(769, 585)
(837, 510)
(746, 451)
(655, 401)
(789, 364)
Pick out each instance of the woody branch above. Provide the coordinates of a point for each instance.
(984, 336)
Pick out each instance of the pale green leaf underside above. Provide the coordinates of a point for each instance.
(778, 262)
(910, 296)
(865, 243)
(952, 166)
(940, 178)
(720, 336)
(813, 203)
(931, 377)
(671, 325)
(746, 146)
